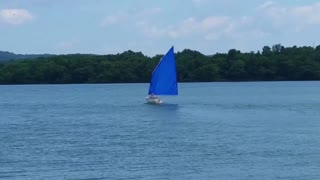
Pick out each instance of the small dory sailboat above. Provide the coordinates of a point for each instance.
(164, 78)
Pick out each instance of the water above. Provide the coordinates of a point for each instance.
(241, 131)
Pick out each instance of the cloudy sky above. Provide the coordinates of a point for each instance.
(153, 26)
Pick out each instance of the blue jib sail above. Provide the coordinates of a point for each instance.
(164, 76)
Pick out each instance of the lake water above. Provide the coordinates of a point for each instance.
(223, 131)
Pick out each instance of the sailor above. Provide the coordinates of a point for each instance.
(152, 96)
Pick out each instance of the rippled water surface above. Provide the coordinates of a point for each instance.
(256, 130)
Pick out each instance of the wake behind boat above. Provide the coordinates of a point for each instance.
(163, 79)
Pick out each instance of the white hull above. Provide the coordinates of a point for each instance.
(154, 100)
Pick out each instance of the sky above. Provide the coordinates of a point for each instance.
(153, 26)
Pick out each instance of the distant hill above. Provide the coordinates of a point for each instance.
(6, 56)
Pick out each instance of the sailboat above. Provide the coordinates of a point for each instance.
(164, 78)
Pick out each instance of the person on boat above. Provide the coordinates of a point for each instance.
(152, 96)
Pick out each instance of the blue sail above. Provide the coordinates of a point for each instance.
(164, 76)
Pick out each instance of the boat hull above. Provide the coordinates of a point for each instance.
(154, 100)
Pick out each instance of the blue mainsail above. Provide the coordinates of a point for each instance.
(164, 76)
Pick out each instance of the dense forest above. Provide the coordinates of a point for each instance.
(6, 56)
(276, 63)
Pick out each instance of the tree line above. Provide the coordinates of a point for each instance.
(275, 63)
(6, 56)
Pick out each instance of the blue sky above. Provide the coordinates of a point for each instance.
(153, 26)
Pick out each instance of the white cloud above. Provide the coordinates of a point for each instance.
(187, 27)
(311, 13)
(15, 16)
(266, 4)
(294, 16)
(209, 28)
(126, 16)
(255, 27)
(269, 18)
(191, 26)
